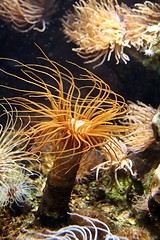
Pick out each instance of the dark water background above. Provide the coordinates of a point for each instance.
(133, 81)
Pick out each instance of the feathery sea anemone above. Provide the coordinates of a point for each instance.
(68, 119)
(100, 28)
(25, 14)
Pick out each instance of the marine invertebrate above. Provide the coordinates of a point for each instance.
(13, 141)
(15, 187)
(117, 153)
(145, 30)
(68, 122)
(100, 28)
(88, 161)
(92, 229)
(156, 125)
(141, 117)
(16, 163)
(25, 14)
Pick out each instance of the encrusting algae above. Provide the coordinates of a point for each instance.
(69, 123)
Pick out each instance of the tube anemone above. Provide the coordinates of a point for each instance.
(16, 161)
(14, 141)
(68, 119)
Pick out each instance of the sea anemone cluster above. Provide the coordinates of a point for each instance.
(99, 28)
(73, 119)
(25, 15)
(74, 123)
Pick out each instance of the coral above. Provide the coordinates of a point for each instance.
(69, 123)
(25, 14)
(102, 27)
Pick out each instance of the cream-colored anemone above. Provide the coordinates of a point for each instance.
(89, 228)
(142, 24)
(100, 28)
(24, 14)
(140, 116)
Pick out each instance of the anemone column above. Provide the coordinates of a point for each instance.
(56, 195)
